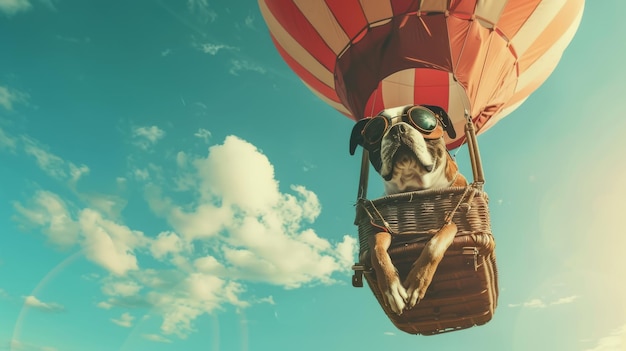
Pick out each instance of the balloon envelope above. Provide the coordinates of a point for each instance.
(483, 57)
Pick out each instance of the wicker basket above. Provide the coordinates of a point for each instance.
(464, 290)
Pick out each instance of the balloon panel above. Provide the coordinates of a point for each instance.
(483, 57)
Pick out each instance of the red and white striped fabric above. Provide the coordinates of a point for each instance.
(481, 56)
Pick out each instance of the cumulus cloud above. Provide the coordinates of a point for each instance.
(168, 243)
(104, 242)
(257, 233)
(34, 302)
(121, 288)
(230, 226)
(145, 137)
(260, 229)
(615, 341)
(10, 97)
(197, 294)
(108, 244)
(125, 320)
(50, 212)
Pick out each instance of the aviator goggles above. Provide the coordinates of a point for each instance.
(421, 118)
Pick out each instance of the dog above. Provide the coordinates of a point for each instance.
(406, 147)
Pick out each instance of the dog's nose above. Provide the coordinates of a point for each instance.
(400, 128)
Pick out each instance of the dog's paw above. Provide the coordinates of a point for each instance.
(421, 275)
(417, 283)
(395, 296)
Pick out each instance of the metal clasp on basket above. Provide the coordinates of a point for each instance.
(357, 277)
(472, 256)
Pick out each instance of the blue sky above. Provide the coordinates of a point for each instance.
(169, 184)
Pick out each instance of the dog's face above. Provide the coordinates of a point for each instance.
(407, 148)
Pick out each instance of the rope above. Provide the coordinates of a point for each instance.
(386, 225)
(450, 215)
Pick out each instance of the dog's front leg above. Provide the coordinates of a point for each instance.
(424, 267)
(387, 277)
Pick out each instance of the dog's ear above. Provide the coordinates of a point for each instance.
(356, 138)
(445, 120)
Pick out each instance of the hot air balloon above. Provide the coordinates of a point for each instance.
(477, 59)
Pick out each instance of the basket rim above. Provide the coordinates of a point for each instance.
(421, 193)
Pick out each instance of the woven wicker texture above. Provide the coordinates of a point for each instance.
(464, 290)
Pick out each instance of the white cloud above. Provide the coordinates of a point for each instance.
(615, 341)
(203, 134)
(249, 22)
(238, 174)
(125, 320)
(34, 302)
(213, 49)
(104, 305)
(167, 243)
(11, 7)
(209, 264)
(230, 226)
(47, 161)
(109, 244)
(76, 172)
(6, 141)
(156, 338)
(565, 300)
(197, 294)
(145, 137)
(534, 303)
(109, 205)
(539, 303)
(121, 288)
(52, 164)
(260, 229)
(49, 211)
(255, 233)
(141, 174)
(106, 243)
(237, 66)
(9, 97)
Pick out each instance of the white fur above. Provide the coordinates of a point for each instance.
(409, 173)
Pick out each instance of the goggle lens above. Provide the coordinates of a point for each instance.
(423, 119)
(375, 129)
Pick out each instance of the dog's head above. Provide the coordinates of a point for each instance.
(407, 148)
